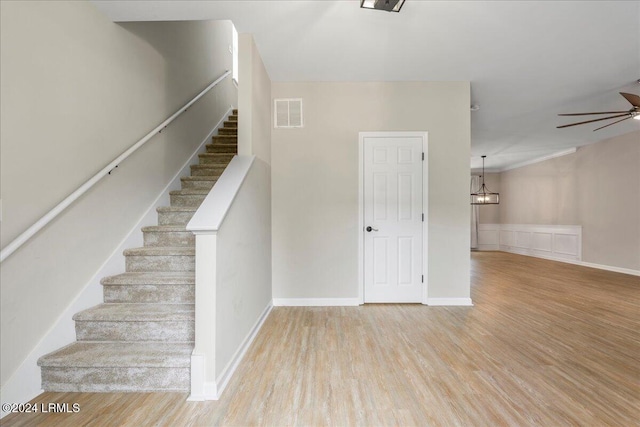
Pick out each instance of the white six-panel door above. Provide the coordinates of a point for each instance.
(393, 219)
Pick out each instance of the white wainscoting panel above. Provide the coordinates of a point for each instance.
(556, 242)
(488, 237)
(542, 242)
(523, 239)
(560, 242)
(506, 238)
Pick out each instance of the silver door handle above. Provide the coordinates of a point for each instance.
(370, 229)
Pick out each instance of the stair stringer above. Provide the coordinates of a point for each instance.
(25, 383)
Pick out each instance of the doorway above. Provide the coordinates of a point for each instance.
(393, 217)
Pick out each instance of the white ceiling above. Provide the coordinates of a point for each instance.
(527, 61)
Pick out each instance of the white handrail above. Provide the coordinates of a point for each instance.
(29, 232)
(214, 208)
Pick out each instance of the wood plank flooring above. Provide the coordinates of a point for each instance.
(546, 344)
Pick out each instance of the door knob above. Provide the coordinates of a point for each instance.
(370, 228)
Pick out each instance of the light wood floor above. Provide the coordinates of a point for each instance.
(546, 344)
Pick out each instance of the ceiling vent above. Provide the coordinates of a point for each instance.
(288, 113)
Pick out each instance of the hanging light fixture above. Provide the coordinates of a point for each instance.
(483, 196)
(388, 5)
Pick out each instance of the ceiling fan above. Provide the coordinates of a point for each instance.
(633, 113)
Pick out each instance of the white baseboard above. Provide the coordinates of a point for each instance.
(198, 373)
(229, 370)
(341, 302)
(200, 390)
(206, 390)
(315, 302)
(622, 270)
(449, 301)
(598, 266)
(610, 268)
(25, 383)
(488, 248)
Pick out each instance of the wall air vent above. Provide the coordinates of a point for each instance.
(288, 113)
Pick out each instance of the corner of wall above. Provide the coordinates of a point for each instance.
(245, 93)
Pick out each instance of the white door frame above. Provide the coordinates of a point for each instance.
(425, 205)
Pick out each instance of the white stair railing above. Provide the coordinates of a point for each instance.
(31, 231)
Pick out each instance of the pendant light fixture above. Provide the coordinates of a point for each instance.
(388, 5)
(483, 196)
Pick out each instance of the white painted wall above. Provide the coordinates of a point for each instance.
(244, 281)
(243, 289)
(315, 182)
(254, 102)
(77, 90)
(597, 187)
(233, 272)
(233, 290)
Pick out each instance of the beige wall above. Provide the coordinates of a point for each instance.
(598, 188)
(244, 240)
(77, 90)
(254, 101)
(243, 270)
(315, 182)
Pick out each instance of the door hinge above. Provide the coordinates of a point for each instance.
(423, 278)
(422, 217)
(422, 156)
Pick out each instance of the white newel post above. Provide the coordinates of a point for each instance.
(203, 360)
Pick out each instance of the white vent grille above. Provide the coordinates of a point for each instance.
(288, 113)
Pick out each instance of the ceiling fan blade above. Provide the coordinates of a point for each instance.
(617, 121)
(588, 114)
(595, 120)
(633, 99)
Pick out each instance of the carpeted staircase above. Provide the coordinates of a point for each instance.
(141, 338)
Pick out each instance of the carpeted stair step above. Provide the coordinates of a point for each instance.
(118, 367)
(209, 169)
(201, 182)
(188, 197)
(141, 338)
(222, 148)
(136, 322)
(168, 235)
(175, 215)
(215, 158)
(150, 258)
(150, 288)
(225, 139)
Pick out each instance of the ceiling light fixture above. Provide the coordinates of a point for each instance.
(483, 196)
(388, 5)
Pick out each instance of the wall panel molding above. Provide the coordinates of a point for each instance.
(554, 242)
(559, 242)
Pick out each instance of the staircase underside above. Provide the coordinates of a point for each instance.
(141, 338)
